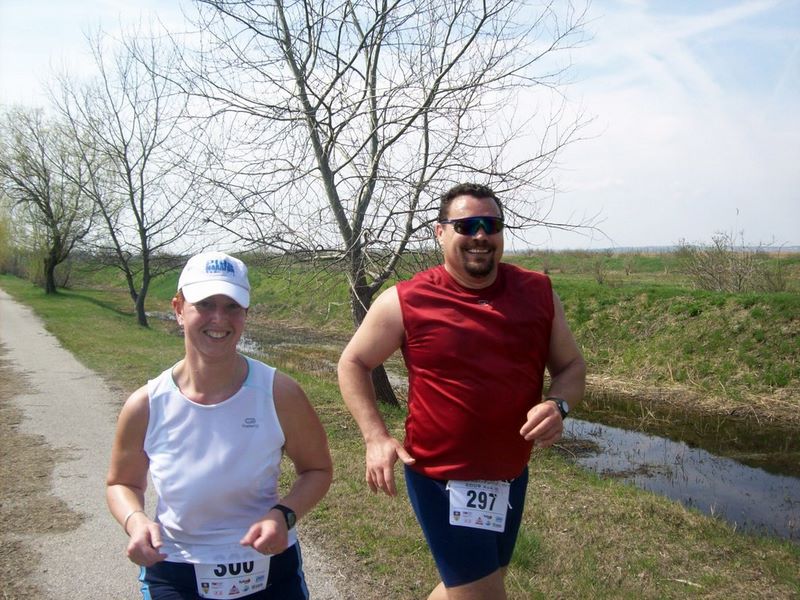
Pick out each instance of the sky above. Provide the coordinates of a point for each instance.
(694, 107)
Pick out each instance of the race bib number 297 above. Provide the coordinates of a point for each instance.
(479, 504)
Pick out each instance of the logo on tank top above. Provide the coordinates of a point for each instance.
(250, 423)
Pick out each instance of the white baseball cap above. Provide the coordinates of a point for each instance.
(212, 273)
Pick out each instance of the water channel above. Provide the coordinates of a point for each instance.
(747, 475)
(748, 497)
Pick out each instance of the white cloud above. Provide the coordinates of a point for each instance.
(38, 38)
(682, 151)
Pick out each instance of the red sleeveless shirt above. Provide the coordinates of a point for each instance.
(476, 361)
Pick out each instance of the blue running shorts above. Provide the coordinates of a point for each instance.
(463, 554)
(176, 581)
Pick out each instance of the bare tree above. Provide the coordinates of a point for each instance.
(41, 177)
(132, 130)
(344, 121)
(730, 265)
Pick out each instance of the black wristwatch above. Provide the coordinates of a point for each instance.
(288, 514)
(562, 405)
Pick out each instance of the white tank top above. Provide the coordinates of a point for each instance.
(214, 468)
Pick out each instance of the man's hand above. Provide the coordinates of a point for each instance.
(544, 425)
(381, 456)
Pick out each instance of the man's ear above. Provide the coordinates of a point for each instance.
(438, 232)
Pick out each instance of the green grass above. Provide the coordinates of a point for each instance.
(727, 345)
(583, 536)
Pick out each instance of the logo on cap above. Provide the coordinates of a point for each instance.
(216, 265)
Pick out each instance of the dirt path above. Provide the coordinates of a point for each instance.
(57, 538)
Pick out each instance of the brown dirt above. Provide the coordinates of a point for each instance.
(777, 408)
(27, 507)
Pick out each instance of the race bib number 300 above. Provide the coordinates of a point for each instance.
(232, 580)
(479, 504)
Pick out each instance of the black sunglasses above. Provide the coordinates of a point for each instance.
(471, 225)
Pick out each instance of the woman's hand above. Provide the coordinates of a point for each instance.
(268, 536)
(143, 547)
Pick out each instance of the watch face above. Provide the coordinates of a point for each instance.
(562, 405)
(288, 515)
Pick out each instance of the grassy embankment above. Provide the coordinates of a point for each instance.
(650, 328)
(583, 536)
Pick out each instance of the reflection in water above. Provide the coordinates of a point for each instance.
(769, 445)
(748, 497)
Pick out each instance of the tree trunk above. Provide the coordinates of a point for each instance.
(360, 301)
(141, 315)
(131, 285)
(383, 389)
(50, 264)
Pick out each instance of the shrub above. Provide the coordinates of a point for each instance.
(725, 266)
